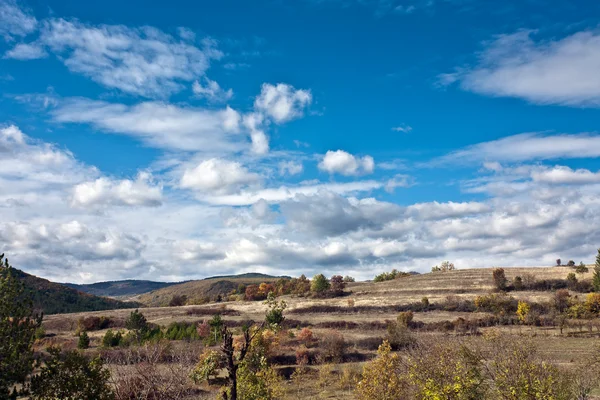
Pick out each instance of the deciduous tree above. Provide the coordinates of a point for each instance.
(383, 378)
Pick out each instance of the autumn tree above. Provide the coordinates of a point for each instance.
(383, 378)
(446, 370)
(18, 325)
(516, 372)
(499, 278)
(249, 375)
(337, 285)
(523, 310)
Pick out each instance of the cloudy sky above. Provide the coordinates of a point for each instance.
(193, 138)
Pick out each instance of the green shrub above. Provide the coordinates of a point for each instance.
(71, 376)
(112, 339)
(84, 341)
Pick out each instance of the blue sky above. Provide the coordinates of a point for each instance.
(178, 140)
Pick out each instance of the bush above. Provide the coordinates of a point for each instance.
(305, 336)
(71, 376)
(178, 300)
(496, 303)
(348, 279)
(333, 346)
(389, 276)
(84, 341)
(112, 339)
(208, 366)
(181, 331)
(93, 323)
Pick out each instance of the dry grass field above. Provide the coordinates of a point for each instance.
(360, 323)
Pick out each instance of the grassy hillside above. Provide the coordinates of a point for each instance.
(121, 289)
(362, 318)
(200, 290)
(55, 298)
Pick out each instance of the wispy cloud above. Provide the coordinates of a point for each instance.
(140, 61)
(26, 51)
(211, 90)
(527, 147)
(563, 71)
(402, 128)
(159, 124)
(14, 21)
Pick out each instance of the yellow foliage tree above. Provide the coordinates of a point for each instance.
(448, 372)
(382, 378)
(522, 310)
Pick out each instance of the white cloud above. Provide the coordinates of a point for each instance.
(104, 191)
(282, 102)
(290, 168)
(402, 128)
(159, 124)
(283, 193)
(437, 211)
(211, 91)
(400, 180)
(14, 21)
(345, 163)
(260, 142)
(143, 61)
(526, 147)
(25, 51)
(565, 175)
(218, 176)
(563, 71)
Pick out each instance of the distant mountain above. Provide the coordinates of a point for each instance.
(201, 290)
(56, 298)
(121, 289)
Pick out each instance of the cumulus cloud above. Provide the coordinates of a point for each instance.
(140, 61)
(14, 21)
(159, 124)
(565, 175)
(211, 91)
(26, 51)
(104, 191)
(328, 213)
(562, 71)
(527, 147)
(218, 176)
(282, 102)
(344, 163)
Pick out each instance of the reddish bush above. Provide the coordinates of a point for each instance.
(305, 336)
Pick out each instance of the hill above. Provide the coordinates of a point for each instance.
(200, 291)
(55, 298)
(121, 289)
(359, 322)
